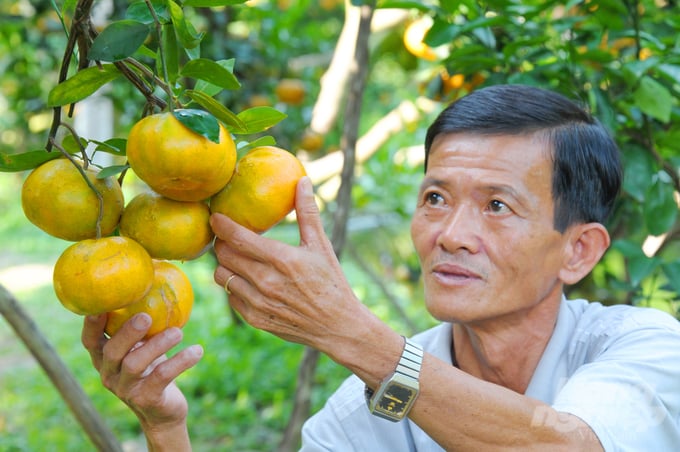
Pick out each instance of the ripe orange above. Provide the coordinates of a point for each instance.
(168, 229)
(94, 276)
(291, 91)
(258, 100)
(56, 198)
(262, 191)
(177, 162)
(311, 141)
(169, 302)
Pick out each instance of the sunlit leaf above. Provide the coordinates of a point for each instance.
(199, 121)
(258, 119)
(211, 72)
(186, 33)
(222, 113)
(115, 146)
(10, 163)
(81, 84)
(113, 170)
(119, 40)
(654, 99)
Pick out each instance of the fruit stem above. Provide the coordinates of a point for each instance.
(86, 161)
(81, 170)
(161, 54)
(144, 70)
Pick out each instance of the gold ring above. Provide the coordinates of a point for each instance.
(226, 285)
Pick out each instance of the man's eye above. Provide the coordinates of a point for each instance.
(433, 199)
(497, 206)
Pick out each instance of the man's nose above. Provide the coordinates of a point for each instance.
(461, 230)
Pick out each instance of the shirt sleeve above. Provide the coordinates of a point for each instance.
(629, 392)
(344, 424)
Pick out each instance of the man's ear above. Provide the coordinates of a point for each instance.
(586, 243)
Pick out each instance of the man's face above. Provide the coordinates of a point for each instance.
(483, 227)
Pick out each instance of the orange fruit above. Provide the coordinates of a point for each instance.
(94, 276)
(259, 100)
(166, 228)
(311, 141)
(56, 198)
(169, 302)
(291, 91)
(413, 39)
(177, 162)
(262, 191)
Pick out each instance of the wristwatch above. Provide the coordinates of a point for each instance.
(395, 396)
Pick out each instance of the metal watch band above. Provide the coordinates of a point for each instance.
(411, 360)
(394, 397)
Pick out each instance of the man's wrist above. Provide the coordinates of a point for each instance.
(173, 437)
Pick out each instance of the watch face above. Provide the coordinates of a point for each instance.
(395, 400)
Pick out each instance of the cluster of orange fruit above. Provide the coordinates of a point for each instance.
(119, 264)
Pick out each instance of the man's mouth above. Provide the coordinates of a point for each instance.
(454, 274)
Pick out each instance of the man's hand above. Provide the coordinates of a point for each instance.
(142, 376)
(300, 293)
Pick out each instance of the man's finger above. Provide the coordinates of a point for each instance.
(307, 212)
(93, 338)
(125, 339)
(164, 373)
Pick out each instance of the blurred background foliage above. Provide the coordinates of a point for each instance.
(621, 58)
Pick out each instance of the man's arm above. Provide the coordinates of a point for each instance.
(140, 374)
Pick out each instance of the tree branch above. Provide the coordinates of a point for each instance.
(58, 373)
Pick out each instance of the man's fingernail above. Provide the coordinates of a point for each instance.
(196, 350)
(141, 321)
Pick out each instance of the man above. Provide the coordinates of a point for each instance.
(518, 183)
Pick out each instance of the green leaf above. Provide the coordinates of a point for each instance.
(81, 85)
(73, 146)
(115, 146)
(232, 122)
(200, 122)
(660, 208)
(186, 33)
(139, 11)
(209, 88)
(654, 99)
(404, 5)
(258, 119)
(111, 171)
(211, 72)
(10, 163)
(670, 70)
(170, 52)
(212, 3)
(119, 40)
(639, 169)
(672, 271)
(266, 140)
(639, 267)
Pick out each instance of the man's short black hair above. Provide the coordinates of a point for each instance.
(587, 173)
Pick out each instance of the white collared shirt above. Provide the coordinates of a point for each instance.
(617, 368)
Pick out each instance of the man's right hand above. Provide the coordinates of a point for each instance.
(142, 376)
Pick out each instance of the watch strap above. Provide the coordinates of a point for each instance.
(406, 373)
